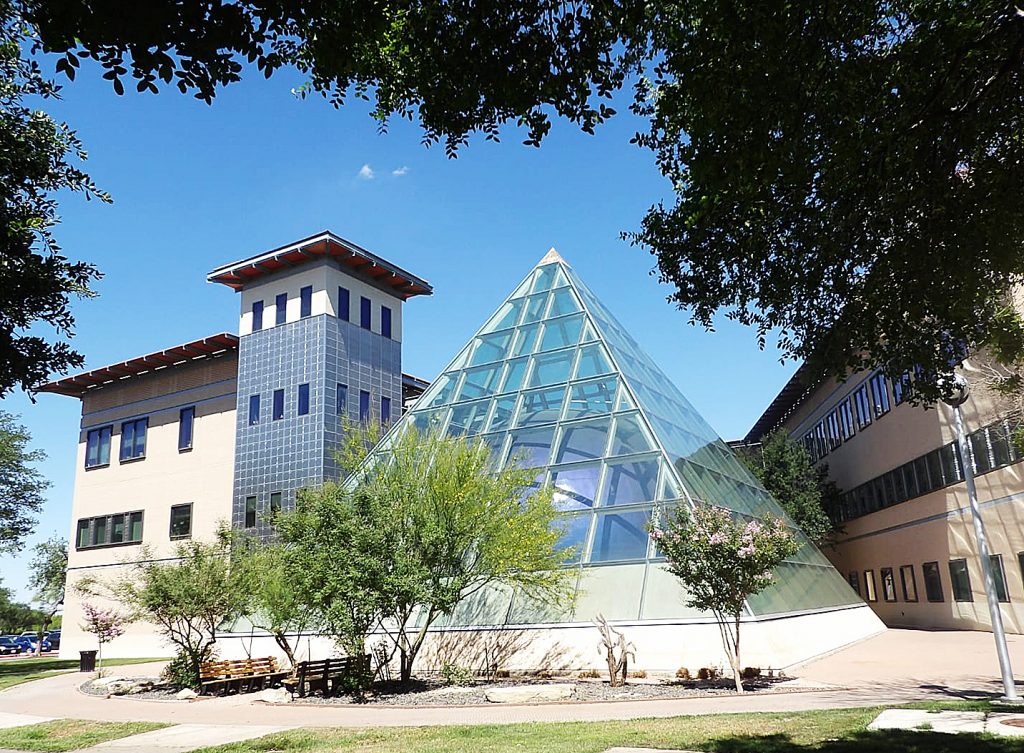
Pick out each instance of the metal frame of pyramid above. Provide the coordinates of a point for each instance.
(554, 381)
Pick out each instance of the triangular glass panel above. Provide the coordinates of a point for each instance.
(554, 383)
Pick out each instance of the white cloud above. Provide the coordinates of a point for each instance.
(366, 172)
(398, 172)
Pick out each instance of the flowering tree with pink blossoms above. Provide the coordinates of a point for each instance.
(720, 561)
(105, 624)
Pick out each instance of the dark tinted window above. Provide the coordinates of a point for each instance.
(960, 580)
(254, 409)
(999, 577)
(385, 321)
(281, 308)
(278, 407)
(186, 419)
(306, 301)
(303, 399)
(250, 512)
(888, 584)
(932, 581)
(385, 410)
(341, 399)
(343, 304)
(364, 405)
(275, 502)
(365, 313)
(257, 316)
(181, 521)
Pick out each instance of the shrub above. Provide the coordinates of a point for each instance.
(182, 671)
(502, 674)
(749, 673)
(640, 674)
(453, 674)
(683, 673)
(707, 673)
(589, 674)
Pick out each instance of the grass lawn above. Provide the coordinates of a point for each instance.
(832, 731)
(17, 671)
(69, 734)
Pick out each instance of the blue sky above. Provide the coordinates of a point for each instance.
(196, 186)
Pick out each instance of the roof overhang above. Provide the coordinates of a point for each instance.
(325, 245)
(78, 384)
(791, 396)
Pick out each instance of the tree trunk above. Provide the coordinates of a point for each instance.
(405, 672)
(737, 674)
(99, 660)
(285, 645)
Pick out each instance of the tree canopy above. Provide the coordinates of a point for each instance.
(21, 485)
(845, 175)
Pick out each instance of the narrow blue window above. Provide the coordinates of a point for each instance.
(342, 399)
(257, 316)
(133, 439)
(281, 308)
(97, 447)
(385, 321)
(304, 399)
(364, 313)
(186, 418)
(364, 405)
(306, 302)
(343, 304)
(254, 410)
(278, 407)
(385, 410)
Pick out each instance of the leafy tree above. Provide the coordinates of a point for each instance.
(418, 531)
(106, 625)
(16, 617)
(49, 569)
(186, 598)
(720, 562)
(21, 485)
(785, 469)
(36, 281)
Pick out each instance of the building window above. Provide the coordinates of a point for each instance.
(932, 582)
(834, 437)
(304, 399)
(888, 584)
(879, 393)
(908, 582)
(343, 304)
(1020, 561)
(385, 410)
(281, 308)
(901, 388)
(341, 400)
(364, 313)
(254, 410)
(854, 580)
(999, 577)
(250, 512)
(869, 585)
(385, 321)
(846, 419)
(186, 421)
(960, 580)
(277, 410)
(133, 439)
(109, 530)
(306, 302)
(275, 503)
(257, 316)
(364, 406)
(863, 403)
(181, 521)
(97, 447)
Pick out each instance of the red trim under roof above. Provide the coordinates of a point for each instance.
(78, 384)
(325, 245)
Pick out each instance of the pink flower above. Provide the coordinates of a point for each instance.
(717, 538)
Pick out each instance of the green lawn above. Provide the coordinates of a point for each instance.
(17, 671)
(833, 731)
(69, 734)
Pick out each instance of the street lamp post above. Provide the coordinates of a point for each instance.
(954, 401)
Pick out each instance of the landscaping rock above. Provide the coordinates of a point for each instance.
(274, 696)
(186, 694)
(530, 693)
(103, 682)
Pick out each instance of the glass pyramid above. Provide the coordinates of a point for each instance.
(554, 382)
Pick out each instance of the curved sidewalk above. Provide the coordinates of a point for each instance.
(895, 667)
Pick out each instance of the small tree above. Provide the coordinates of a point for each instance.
(721, 561)
(186, 598)
(423, 526)
(803, 489)
(49, 572)
(106, 625)
(21, 484)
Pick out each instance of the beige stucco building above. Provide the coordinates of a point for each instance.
(907, 543)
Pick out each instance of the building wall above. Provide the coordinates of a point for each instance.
(933, 527)
(163, 478)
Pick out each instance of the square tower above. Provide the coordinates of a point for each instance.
(320, 342)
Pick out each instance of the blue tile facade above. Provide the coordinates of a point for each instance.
(296, 451)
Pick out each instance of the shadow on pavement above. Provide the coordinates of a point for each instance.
(872, 742)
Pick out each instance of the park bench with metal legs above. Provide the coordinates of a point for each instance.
(326, 674)
(239, 675)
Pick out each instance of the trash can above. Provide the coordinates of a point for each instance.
(86, 661)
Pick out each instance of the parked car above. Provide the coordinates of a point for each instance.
(54, 637)
(8, 646)
(28, 643)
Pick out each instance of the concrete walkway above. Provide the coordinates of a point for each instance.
(184, 737)
(894, 667)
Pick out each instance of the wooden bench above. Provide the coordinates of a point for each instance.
(326, 674)
(239, 674)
